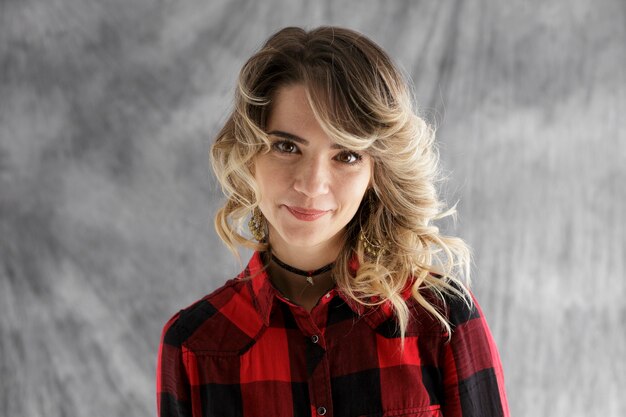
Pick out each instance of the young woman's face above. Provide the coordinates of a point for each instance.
(310, 186)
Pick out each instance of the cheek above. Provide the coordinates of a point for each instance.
(270, 177)
(353, 188)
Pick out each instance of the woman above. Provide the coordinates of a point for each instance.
(353, 303)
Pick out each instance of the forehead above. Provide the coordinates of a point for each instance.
(291, 112)
(291, 104)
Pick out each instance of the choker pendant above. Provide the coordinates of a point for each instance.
(307, 274)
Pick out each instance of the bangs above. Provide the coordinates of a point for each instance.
(345, 123)
(354, 107)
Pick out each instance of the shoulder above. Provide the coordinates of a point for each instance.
(212, 323)
(462, 307)
(457, 307)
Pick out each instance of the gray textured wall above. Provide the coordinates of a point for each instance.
(107, 111)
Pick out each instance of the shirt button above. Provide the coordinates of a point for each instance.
(321, 411)
(315, 338)
(328, 295)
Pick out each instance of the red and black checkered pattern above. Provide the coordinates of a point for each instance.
(245, 351)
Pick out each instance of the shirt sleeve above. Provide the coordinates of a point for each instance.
(173, 387)
(472, 372)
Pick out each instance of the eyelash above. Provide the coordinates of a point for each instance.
(277, 146)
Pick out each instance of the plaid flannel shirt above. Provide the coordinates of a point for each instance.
(245, 350)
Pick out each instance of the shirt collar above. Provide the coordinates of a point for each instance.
(264, 293)
(262, 290)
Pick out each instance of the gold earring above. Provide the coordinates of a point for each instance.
(256, 224)
(372, 247)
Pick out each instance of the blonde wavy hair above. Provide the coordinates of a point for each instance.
(364, 103)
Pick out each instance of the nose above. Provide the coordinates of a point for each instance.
(313, 178)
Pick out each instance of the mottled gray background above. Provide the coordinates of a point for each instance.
(107, 112)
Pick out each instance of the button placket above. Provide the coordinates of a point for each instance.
(318, 374)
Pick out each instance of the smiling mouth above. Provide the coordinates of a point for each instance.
(306, 214)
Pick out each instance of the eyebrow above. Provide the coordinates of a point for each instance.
(296, 138)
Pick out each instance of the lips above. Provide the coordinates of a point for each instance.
(305, 214)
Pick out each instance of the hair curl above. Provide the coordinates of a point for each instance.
(363, 102)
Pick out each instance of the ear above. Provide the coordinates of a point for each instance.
(372, 183)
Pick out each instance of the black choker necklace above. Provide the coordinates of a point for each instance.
(308, 274)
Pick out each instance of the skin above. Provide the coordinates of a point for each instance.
(306, 169)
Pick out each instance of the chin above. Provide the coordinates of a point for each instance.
(304, 241)
(302, 237)
(311, 238)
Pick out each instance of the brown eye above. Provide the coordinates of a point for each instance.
(349, 157)
(285, 146)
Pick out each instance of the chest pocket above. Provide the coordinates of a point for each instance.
(239, 385)
(431, 411)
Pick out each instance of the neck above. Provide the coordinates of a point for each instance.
(306, 258)
(308, 274)
(303, 290)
